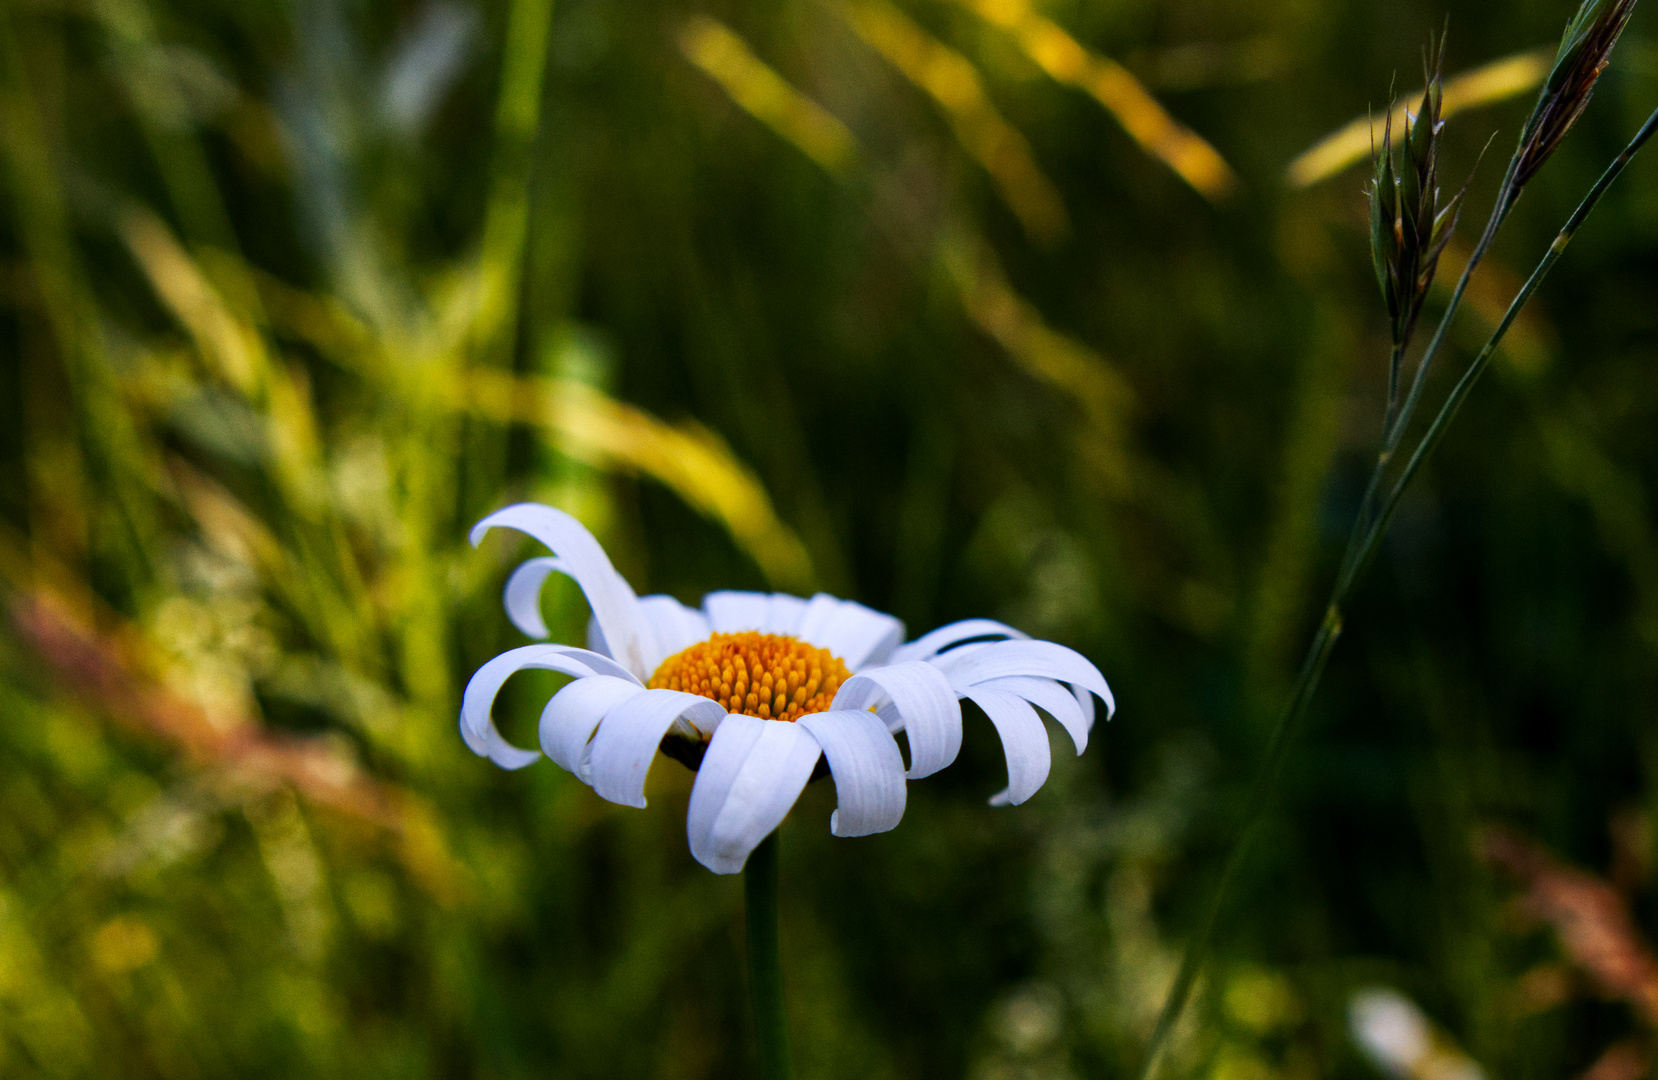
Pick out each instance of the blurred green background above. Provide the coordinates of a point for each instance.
(955, 307)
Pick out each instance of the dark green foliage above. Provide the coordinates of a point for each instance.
(259, 265)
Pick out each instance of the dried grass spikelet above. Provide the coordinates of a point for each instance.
(1597, 931)
(1409, 228)
(1585, 50)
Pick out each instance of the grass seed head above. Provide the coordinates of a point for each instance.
(1409, 227)
(1585, 51)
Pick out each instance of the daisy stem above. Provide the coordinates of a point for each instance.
(1362, 544)
(765, 970)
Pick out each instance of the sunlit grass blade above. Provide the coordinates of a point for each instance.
(691, 461)
(1066, 60)
(765, 95)
(1048, 355)
(953, 83)
(989, 302)
(231, 348)
(1487, 84)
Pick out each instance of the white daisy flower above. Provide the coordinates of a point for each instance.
(759, 691)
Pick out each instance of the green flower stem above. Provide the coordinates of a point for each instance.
(765, 970)
(1362, 544)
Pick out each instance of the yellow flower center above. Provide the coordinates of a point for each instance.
(770, 676)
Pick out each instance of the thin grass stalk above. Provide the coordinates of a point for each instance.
(1507, 195)
(1395, 430)
(1394, 361)
(765, 968)
(1260, 795)
(1465, 385)
(1374, 484)
(517, 123)
(1362, 543)
(1398, 416)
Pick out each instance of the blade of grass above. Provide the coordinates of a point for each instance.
(1065, 60)
(953, 83)
(1362, 545)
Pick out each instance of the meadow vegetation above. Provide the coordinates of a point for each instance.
(1059, 313)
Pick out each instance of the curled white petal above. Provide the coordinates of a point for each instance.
(628, 635)
(925, 706)
(750, 777)
(477, 726)
(622, 749)
(934, 642)
(1085, 701)
(522, 596)
(972, 664)
(860, 636)
(867, 767)
(568, 721)
(677, 627)
(1057, 700)
(1024, 741)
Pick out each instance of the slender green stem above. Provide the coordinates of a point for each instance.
(1362, 544)
(1395, 431)
(1395, 358)
(1507, 195)
(1465, 385)
(1398, 416)
(1260, 794)
(517, 122)
(1395, 361)
(765, 970)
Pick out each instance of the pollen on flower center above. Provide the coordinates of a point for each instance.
(771, 676)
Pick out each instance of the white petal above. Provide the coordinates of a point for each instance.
(732, 612)
(629, 636)
(677, 626)
(1024, 741)
(783, 615)
(477, 727)
(858, 635)
(750, 777)
(925, 705)
(972, 664)
(568, 721)
(1055, 699)
(1086, 700)
(936, 641)
(522, 596)
(867, 767)
(621, 752)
